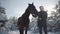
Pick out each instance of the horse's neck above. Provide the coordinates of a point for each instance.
(26, 15)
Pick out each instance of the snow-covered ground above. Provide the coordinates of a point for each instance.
(31, 32)
(5, 31)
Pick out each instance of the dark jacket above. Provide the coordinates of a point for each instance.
(43, 16)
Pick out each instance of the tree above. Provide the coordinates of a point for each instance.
(57, 8)
(3, 20)
(3, 16)
(56, 15)
(2, 9)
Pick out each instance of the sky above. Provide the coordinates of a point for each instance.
(17, 7)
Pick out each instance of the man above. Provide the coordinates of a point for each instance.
(42, 17)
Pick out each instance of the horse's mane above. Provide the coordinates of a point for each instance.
(26, 13)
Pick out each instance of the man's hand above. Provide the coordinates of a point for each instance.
(34, 15)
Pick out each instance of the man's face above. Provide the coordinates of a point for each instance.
(41, 8)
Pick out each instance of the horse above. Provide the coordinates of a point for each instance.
(23, 21)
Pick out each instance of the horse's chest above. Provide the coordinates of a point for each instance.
(26, 20)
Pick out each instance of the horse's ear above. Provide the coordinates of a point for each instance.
(32, 3)
(29, 4)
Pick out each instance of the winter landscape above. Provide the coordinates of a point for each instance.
(8, 25)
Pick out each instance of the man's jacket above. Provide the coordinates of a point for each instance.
(42, 16)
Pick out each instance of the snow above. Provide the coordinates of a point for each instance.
(3, 30)
(3, 16)
(31, 32)
(17, 32)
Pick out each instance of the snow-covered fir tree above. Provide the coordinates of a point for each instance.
(3, 20)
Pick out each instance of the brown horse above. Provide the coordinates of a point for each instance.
(23, 21)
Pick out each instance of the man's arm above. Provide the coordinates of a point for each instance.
(46, 15)
(39, 15)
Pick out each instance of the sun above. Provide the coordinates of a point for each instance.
(49, 9)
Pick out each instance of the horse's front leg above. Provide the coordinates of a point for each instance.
(26, 31)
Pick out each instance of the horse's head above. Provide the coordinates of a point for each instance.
(32, 9)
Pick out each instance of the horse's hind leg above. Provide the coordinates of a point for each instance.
(21, 31)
